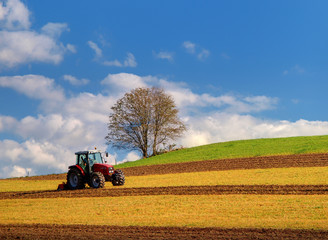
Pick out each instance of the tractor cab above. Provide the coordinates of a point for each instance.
(87, 160)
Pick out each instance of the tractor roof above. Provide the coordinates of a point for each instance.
(87, 152)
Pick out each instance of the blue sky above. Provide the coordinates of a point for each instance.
(236, 69)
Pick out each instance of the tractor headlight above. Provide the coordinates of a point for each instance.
(110, 170)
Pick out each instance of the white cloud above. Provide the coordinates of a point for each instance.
(28, 46)
(7, 123)
(253, 104)
(220, 127)
(114, 63)
(10, 151)
(89, 107)
(130, 61)
(197, 50)
(189, 46)
(20, 45)
(54, 30)
(123, 82)
(14, 15)
(74, 81)
(164, 55)
(34, 86)
(52, 97)
(204, 53)
(96, 49)
(34, 157)
(18, 171)
(71, 123)
(186, 99)
(130, 157)
(71, 48)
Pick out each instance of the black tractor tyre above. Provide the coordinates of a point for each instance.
(75, 179)
(97, 180)
(118, 178)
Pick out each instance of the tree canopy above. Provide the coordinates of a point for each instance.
(144, 119)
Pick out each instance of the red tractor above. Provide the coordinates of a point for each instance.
(91, 168)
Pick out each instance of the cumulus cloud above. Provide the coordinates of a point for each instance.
(34, 86)
(54, 30)
(188, 100)
(33, 156)
(69, 123)
(123, 82)
(220, 127)
(7, 123)
(18, 171)
(14, 15)
(130, 157)
(74, 81)
(28, 46)
(20, 45)
(89, 107)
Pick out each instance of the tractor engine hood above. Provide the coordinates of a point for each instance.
(102, 167)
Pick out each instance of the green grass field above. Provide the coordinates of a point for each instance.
(237, 149)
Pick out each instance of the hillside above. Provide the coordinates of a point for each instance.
(281, 193)
(239, 149)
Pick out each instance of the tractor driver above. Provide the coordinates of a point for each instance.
(83, 162)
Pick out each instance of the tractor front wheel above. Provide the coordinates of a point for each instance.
(75, 179)
(118, 178)
(97, 180)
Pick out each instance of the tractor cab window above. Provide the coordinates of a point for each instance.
(82, 161)
(98, 158)
(91, 159)
(94, 158)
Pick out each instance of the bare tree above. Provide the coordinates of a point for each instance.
(143, 120)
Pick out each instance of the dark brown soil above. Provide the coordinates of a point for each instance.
(41, 231)
(281, 161)
(181, 190)
(302, 160)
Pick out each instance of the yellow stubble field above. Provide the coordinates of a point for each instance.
(273, 176)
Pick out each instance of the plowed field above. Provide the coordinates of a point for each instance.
(302, 160)
(43, 231)
(181, 190)
(116, 232)
(281, 161)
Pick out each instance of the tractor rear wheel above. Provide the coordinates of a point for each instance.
(118, 178)
(97, 180)
(75, 179)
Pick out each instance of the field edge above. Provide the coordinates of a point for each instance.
(45, 231)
